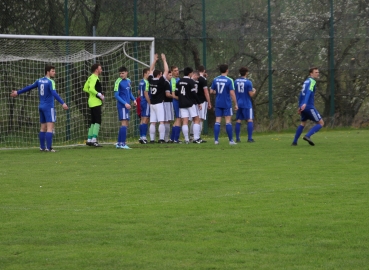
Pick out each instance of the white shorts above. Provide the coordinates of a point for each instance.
(156, 113)
(168, 111)
(189, 112)
(204, 110)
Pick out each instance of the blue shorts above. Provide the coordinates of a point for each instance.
(123, 113)
(145, 109)
(244, 114)
(220, 112)
(176, 108)
(310, 114)
(47, 115)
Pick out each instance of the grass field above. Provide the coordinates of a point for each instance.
(250, 206)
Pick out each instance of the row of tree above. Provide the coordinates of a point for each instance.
(237, 34)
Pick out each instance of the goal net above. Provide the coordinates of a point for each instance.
(22, 62)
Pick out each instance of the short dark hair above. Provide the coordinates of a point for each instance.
(156, 73)
(144, 71)
(223, 68)
(243, 71)
(94, 67)
(187, 71)
(201, 68)
(312, 69)
(48, 68)
(173, 67)
(123, 69)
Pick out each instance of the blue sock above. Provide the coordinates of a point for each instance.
(42, 138)
(177, 134)
(172, 134)
(237, 130)
(313, 130)
(144, 130)
(216, 131)
(49, 139)
(140, 128)
(250, 129)
(124, 134)
(299, 130)
(119, 140)
(229, 131)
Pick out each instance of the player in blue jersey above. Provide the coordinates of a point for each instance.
(168, 107)
(145, 106)
(307, 108)
(244, 93)
(123, 94)
(176, 128)
(223, 87)
(46, 94)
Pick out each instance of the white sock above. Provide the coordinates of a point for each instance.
(191, 128)
(161, 131)
(152, 132)
(185, 132)
(196, 131)
(167, 130)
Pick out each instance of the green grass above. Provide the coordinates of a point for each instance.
(250, 206)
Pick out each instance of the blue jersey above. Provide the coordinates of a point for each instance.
(143, 87)
(46, 92)
(223, 85)
(122, 92)
(307, 93)
(243, 87)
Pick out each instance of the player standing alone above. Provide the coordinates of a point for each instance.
(244, 92)
(307, 108)
(94, 89)
(223, 87)
(123, 94)
(46, 94)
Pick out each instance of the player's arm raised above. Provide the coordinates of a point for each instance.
(152, 66)
(166, 68)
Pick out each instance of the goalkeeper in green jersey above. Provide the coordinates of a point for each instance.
(95, 99)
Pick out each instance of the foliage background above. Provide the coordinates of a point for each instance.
(236, 34)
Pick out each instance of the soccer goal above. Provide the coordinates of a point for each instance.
(22, 62)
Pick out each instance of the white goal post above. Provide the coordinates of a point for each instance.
(22, 61)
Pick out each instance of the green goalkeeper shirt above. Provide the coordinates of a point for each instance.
(93, 87)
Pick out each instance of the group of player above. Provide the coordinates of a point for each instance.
(165, 98)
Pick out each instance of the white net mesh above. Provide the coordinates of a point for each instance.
(22, 62)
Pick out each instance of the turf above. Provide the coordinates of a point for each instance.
(265, 205)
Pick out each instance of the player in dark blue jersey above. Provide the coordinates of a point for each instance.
(168, 107)
(176, 128)
(145, 105)
(46, 94)
(223, 87)
(123, 95)
(244, 92)
(307, 108)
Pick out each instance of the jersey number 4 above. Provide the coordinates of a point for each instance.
(183, 91)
